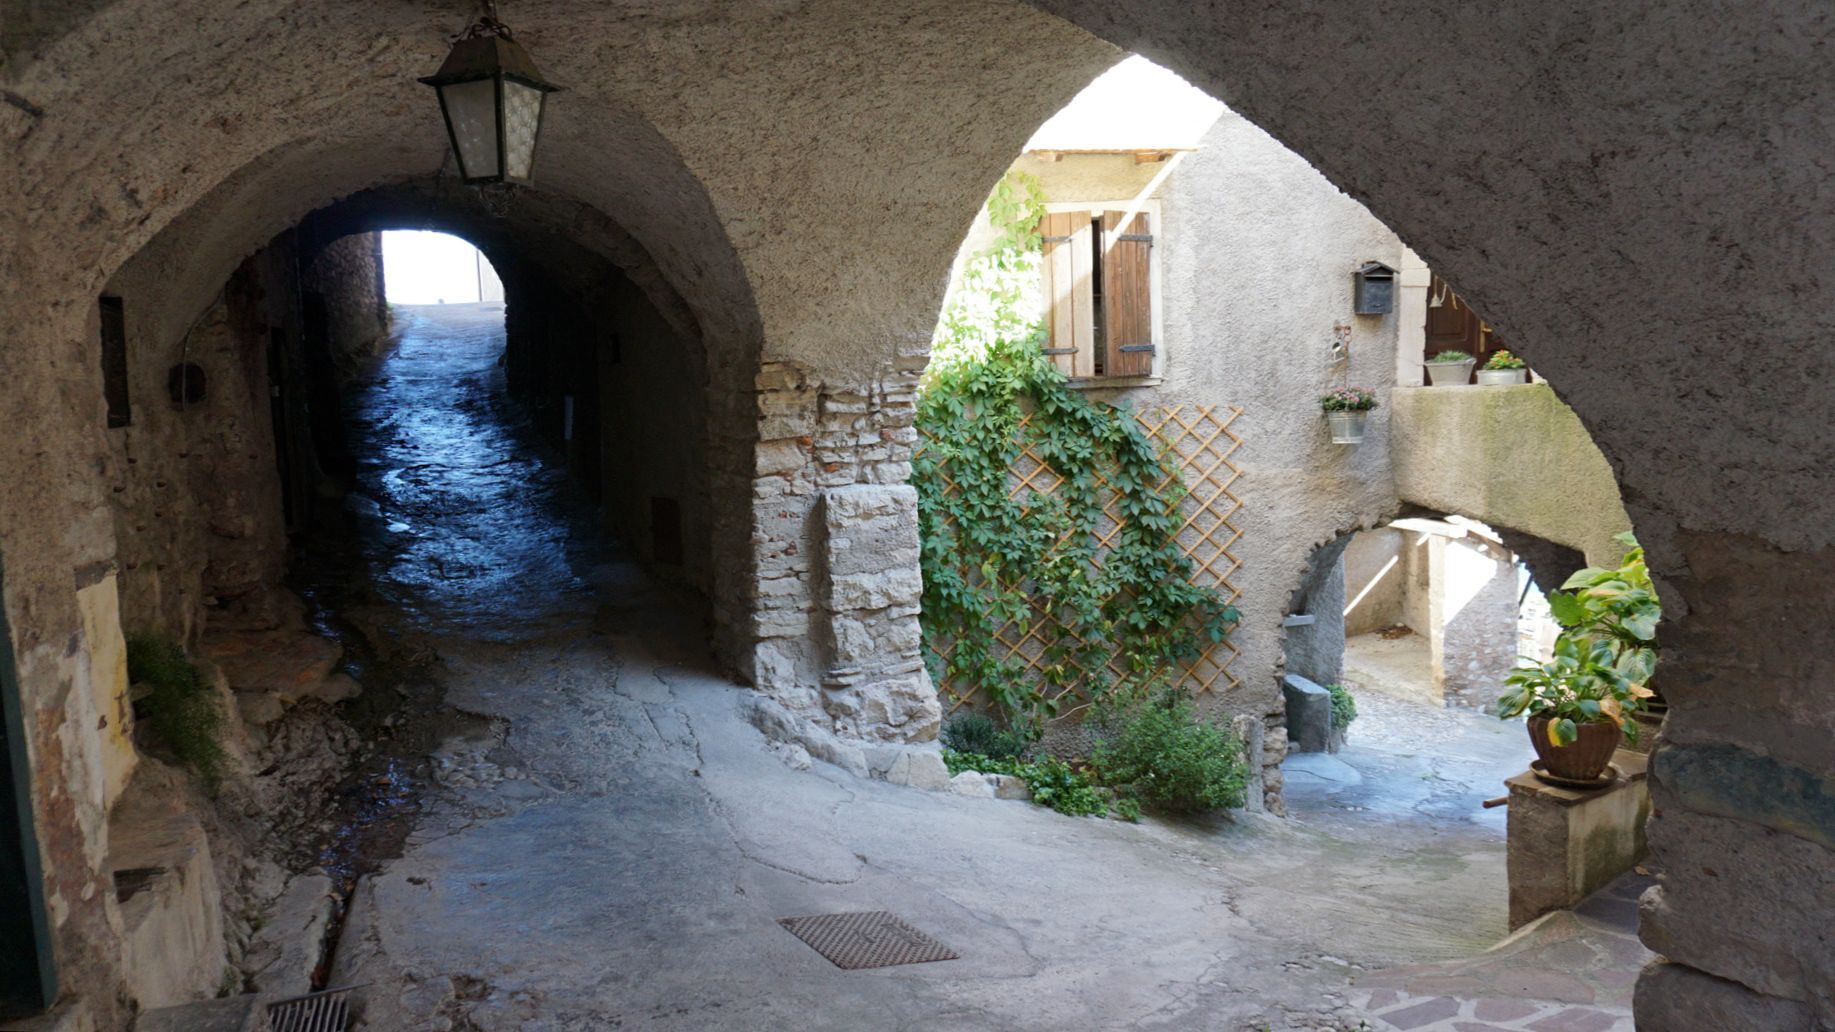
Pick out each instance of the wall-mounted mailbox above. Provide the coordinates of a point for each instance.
(1375, 289)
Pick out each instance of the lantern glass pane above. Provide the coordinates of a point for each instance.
(522, 116)
(471, 107)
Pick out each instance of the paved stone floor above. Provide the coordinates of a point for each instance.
(611, 846)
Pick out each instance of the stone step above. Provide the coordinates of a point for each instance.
(171, 909)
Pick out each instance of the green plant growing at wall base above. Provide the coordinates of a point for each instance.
(1172, 761)
(990, 557)
(1344, 707)
(1052, 781)
(180, 707)
(978, 734)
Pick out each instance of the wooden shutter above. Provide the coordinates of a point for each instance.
(1070, 319)
(1127, 295)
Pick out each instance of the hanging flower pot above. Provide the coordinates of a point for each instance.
(1346, 410)
(1347, 426)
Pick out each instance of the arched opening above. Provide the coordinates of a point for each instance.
(1197, 271)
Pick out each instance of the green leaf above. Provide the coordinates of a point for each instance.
(1567, 610)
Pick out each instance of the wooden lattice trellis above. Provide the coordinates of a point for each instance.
(1200, 440)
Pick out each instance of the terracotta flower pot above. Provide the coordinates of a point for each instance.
(1585, 759)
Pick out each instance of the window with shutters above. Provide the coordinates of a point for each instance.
(1101, 290)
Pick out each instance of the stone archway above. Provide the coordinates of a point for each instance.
(823, 160)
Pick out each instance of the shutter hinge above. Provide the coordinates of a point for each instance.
(1133, 348)
(1056, 239)
(1136, 238)
(1059, 351)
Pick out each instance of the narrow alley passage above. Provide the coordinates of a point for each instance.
(604, 840)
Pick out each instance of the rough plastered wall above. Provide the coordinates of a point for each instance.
(1514, 457)
(196, 498)
(347, 279)
(1316, 650)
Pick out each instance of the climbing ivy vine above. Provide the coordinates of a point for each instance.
(1035, 560)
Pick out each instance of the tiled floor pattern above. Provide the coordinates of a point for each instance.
(1571, 971)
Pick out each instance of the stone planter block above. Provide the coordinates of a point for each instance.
(1566, 843)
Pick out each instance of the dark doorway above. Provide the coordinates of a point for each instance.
(27, 981)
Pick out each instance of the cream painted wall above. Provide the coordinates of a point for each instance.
(100, 603)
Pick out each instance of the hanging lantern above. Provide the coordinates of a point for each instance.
(493, 99)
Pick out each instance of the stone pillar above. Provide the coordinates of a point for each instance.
(876, 685)
(832, 609)
(1743, 794)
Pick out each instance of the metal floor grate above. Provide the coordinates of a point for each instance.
(868, 939)
(327, 1011)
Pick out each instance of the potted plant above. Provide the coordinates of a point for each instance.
(1346, 409)
(1503, 368)
(1454, 367)
(1614, 604)
(1579, 705)
(1600, 672)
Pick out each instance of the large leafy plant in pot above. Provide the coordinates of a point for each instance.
(1579, 704)
(1589, 693)
(1614, 604)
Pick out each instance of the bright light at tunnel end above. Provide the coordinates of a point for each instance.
(422, 267)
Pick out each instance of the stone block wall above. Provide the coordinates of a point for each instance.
(876, 685)
(197, 501)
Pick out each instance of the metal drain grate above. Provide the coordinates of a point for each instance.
(327, 1011)
(867, 940)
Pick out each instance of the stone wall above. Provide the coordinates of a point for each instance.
(346, 277)
(1475, 613)
(1315, 650)
(653, 436)
(197, 499)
